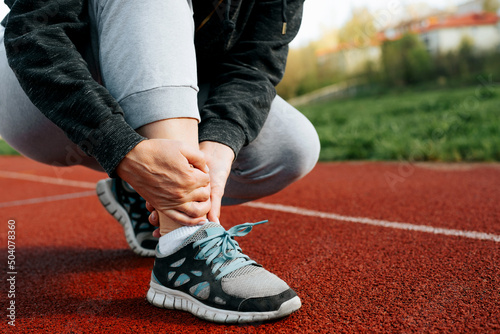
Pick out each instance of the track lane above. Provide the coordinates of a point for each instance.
(77, 274)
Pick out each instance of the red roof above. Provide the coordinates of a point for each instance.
(475, 19)
(428, 24)
(435, 23)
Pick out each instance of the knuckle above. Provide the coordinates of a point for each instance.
(189, 209)
(190, 179)
(177, 193)
(206, 206)
(206, 196)
(203, 195)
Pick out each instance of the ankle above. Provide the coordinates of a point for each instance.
(167, 225)
(171, 241)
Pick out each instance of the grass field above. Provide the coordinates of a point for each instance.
(461, 124)
(5, 149)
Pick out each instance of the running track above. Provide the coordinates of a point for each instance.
(369, 247)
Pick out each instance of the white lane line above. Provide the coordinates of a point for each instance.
(260, 205)
(48, 199)
(376, 222)
(47, 179)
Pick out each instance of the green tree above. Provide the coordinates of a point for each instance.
(406, 61)
(360, 30)
(301, 75)
(491, 6)
(466, 60)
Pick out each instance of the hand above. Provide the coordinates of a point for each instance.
(171, 176)
(219, 159)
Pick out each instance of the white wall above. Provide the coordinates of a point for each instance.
(485, 38)
(444, 40)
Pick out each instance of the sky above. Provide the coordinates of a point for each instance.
(320, 15)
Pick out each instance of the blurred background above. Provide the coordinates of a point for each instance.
(397, 80)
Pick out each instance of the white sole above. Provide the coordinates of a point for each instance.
(163, 297)
(109, 202)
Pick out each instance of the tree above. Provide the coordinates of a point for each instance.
(360, 30)
(491, 6)
(406, 61)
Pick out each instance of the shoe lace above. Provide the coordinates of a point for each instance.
(221, 247)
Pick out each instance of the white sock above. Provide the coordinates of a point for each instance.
(169, 242)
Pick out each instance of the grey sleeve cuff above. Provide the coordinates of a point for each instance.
(160, 103)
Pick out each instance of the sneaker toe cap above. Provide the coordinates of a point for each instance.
(260, 283)
(267, 304)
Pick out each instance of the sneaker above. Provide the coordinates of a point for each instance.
(129, 209)
(211, 278)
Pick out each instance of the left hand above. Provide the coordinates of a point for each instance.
(219, 159)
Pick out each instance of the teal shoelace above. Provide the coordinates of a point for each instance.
(219, 241)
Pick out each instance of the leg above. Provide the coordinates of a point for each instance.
(147, 57)
(155, 83)
(183, 129)
(147, 62)
(286, 149)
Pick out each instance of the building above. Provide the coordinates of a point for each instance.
(446, 35)
(441, 32)
(349, 58)
(470, 7)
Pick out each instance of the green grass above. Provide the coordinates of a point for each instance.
(461, 124)
(5, 149)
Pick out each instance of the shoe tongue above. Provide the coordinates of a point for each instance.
(214, 228)
(204, 231)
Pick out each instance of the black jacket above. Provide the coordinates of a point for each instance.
(241, 51)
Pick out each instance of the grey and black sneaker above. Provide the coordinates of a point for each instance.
(129, 209)
(211, 278)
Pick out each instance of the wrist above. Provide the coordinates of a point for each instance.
(133, 157)
(222, 151)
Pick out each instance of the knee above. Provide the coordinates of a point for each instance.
(301, 153)
(286, 150)
(294, 160)
(297, 140)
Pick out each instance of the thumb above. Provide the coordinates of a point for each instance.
(195, 157)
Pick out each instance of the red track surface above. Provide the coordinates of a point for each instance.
(75, 272)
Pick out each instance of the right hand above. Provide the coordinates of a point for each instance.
(170, 175)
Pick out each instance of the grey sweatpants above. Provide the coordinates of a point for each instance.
(145, 57)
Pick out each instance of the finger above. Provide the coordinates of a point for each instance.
(149, 207)
(195, 209)
(183, 219)
(213, 217)
(156, 233)
(199, 195)
(214, 213)
(195, 157)
(153, 218)
(200, 178)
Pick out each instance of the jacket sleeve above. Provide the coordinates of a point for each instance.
(44, 40)
(242, 93)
